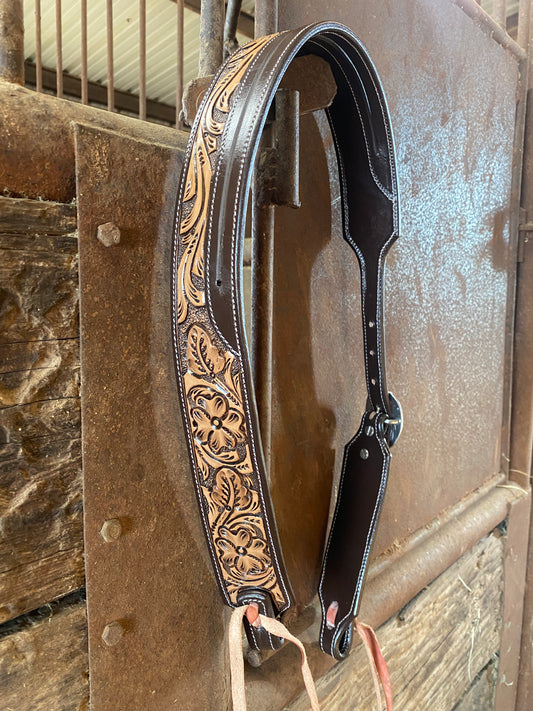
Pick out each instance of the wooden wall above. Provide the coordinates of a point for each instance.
(43, 648)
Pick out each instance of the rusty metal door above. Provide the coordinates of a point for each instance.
(449, 296)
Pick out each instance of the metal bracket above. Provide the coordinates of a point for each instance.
(148, 583)
(277, 176)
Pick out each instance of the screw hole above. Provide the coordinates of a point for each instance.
(219, 283)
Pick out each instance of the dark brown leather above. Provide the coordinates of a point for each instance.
(209, 339)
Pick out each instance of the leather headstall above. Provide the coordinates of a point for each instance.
(212, 361)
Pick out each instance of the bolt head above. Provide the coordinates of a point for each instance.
(111, 530)
(113, 633)
(364, 454)
(108, 234)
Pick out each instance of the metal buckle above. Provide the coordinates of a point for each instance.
(393, 424)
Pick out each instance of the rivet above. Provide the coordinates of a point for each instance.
(111, 530)
(369, 431)
(364, 454)
(108, 234)
(113, 633)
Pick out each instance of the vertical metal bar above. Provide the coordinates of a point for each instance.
(266, 17)
(38, 48)
(84, 77)
(522, 403)
(179, 60)
(110, 73)
(287, 137)
(266, 22)
(499, 12)
(522, 38)
(12, 41)
(233, 10)
(59, 50)
(142, 59)
(211, 36)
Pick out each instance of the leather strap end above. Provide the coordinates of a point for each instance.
(361, 489)
(337, 641)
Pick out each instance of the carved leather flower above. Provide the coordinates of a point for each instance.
(217, 424)
(242, 551)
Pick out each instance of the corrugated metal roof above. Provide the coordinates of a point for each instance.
(161, 42)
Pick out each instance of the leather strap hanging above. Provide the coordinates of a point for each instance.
(212, 361)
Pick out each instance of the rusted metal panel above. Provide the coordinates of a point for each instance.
(446, 284)
(37, 153)
(522, 421)
(155, 619)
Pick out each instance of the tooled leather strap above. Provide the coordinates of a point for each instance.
(212, 362)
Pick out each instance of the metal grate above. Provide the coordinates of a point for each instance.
(136, 57)
(130, 57)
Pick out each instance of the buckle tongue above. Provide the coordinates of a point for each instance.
(394, 424)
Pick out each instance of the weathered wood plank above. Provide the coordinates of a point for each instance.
(60, 418)
(38, 296)
(435, 646)
(40, 522)
(50, 371)
(35, 242)
(44, 217)
(16, 357)
(43, 667)
(41, 536)
(480, 696)
(27, 587)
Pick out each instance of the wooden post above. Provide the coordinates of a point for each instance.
(12, 41)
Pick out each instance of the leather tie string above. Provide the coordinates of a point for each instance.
(378, 666)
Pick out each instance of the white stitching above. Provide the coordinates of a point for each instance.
(235, 323)
(379, 301)
(252, 628)
(370, 534)
(373, 172)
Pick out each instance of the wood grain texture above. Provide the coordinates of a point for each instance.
(38, 295)
(40, 523)
(43, 667)
(59, 418)
(39, 370)
(40, 216)
(435, 646)
(480, 696)
(41, 535)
